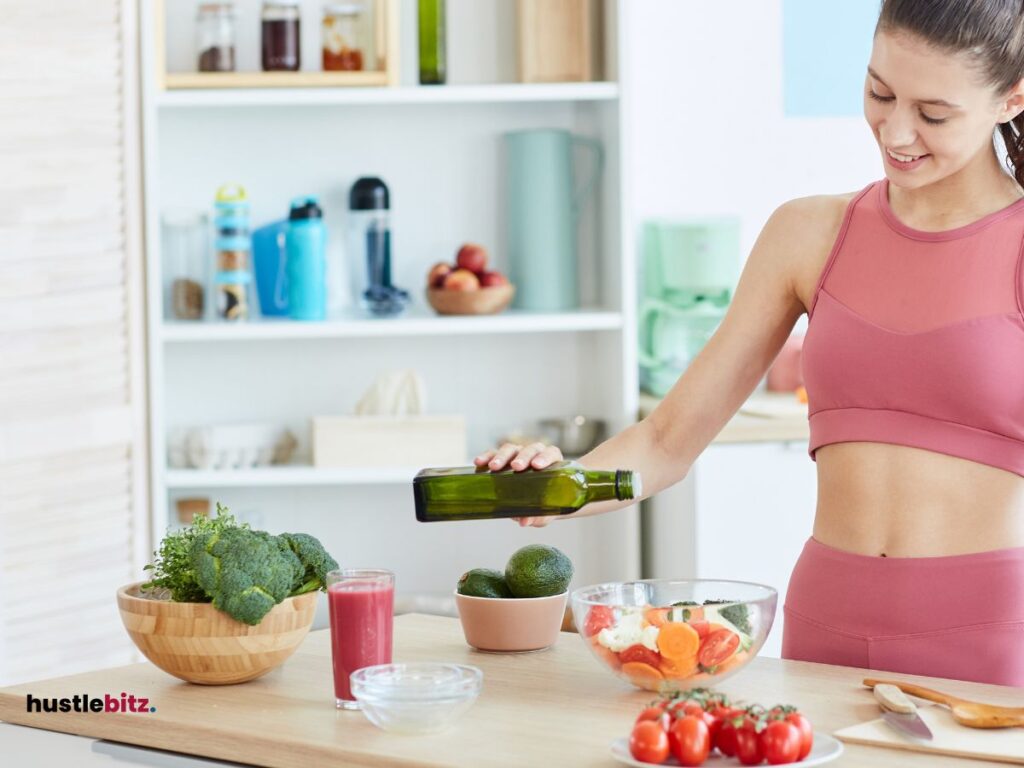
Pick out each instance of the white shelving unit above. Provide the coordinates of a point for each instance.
(510, 321)
(506, 93)
(439, 150)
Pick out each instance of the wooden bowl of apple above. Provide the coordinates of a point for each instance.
(467, 287)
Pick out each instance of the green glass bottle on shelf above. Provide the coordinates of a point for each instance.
(433, 59)
(468, 493)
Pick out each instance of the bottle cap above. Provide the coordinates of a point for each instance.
(305, 208)
(369, 194)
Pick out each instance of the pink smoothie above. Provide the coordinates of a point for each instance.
(361, 623)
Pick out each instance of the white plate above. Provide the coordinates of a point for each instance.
(825, 750)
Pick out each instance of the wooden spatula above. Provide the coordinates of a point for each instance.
(970, 713)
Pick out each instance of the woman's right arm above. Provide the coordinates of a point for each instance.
(771, 295)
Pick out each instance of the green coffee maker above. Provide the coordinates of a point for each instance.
(689, 273)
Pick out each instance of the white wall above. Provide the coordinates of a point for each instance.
(707, 134)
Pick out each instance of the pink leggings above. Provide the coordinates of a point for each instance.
(959, 617)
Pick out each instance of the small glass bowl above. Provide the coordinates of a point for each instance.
(416, 698)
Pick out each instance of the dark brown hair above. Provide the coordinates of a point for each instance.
(990, 32)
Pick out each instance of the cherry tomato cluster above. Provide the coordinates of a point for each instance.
(690, 725)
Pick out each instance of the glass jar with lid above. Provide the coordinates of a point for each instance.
(280, 35)
(343, 46)
(215, 37)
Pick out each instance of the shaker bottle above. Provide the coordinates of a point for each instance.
(233, 275)
(305, 242)
(369, 248)
(270, 266)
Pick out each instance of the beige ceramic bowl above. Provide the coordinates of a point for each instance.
(511, 624)
(200, 644)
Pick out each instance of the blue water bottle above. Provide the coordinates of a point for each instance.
(306, 245)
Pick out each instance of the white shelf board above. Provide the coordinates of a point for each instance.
(418, 94)
(264, 477)
(398, 327)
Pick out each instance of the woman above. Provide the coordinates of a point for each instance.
(913, 360)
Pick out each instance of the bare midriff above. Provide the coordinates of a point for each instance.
(896, 501)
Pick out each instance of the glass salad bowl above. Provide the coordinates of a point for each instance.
(665, 635)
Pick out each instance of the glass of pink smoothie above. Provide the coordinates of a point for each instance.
(362, 605)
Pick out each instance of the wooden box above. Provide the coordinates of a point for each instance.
(389, 441)
(558, 40)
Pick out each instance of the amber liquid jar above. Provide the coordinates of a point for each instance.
(342, 47)
(280, 38)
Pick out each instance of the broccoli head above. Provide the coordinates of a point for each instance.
(316, 563)
(738, 615)
(245, 572)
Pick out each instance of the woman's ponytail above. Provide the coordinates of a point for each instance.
(1013, 138)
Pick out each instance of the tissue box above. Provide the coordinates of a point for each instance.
(389, 441)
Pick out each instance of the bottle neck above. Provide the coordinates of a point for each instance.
(621, 485)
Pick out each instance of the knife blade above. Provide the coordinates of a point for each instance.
(900, 712)
(912, 725)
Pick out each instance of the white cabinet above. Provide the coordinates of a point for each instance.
(743, 513)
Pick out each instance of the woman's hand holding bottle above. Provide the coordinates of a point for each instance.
(519, 458)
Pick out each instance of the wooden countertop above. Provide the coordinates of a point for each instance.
(765, 417)
(555, 708)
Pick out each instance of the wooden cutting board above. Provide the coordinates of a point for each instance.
(1001, 745)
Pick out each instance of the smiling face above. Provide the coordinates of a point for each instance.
(929, 108)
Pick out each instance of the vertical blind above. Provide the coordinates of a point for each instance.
(73, 496)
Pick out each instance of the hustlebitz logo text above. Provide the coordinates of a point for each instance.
(83, 702)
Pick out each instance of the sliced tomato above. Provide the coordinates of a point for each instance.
(640, 653)
(703, 627)
(599, 617)
(717, 647)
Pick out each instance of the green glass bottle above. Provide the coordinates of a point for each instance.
(433, 58)
(469, 493)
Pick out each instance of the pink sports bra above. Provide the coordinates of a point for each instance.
(917, 338)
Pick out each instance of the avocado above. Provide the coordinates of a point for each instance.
(538, 570)
(483, 582)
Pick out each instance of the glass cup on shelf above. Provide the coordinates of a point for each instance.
(362, 606)
(185, 248)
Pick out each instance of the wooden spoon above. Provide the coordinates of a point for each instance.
(970, 713)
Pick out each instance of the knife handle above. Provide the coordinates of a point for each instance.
(915, 690)
(893, 699)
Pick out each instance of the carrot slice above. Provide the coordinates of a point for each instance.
(656, 616)
(678, 641)
(643, 675)
(678, 669)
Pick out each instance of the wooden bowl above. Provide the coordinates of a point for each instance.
(481, 301)
(200, 644)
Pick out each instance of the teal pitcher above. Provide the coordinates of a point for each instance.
(545, 197)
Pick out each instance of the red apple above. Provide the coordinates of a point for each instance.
(438, 272)
(472, 257)
(489, 279)
(461, 280)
